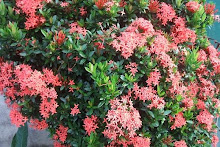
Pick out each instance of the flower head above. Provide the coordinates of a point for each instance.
(90, 124)
(166, 13)
(62, 133)
(100, 3)
(122, 120)
(193, 6)
(153, 6)
(210, 9)
(75, 110)
(60, 37)
(179, 121)
(180, 143)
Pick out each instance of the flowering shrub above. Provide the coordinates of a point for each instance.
(111, 72)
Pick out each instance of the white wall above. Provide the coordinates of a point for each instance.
(7, 130)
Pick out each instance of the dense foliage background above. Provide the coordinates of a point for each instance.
(111, 73)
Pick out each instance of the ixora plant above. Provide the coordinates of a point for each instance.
(111, 72)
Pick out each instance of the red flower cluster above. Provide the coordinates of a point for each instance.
(57, 144)
(22, 81)
(180, 143)
(61, 133)
(160, 44)
(132, 38)
(179, 121)
(166, 13)
(193, 6)
(75, 110)
(17, 118)
(154, 78)
(206, 118)
(214, 58)
(210, 9)
(215, 140)
(140, 142)
(38, 125)
(100, 3)
(122, 119)
(90, 124)
(148, 93)
(133, 68)
(153, 6)
(75, 28)
(60, 37)
(29, 7)
(180, 33)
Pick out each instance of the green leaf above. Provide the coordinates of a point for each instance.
(91, 53)
(151, 114)
(23, 54)
(155, 124)
(190, 121)
(44, 33)
(20, 138)
(167, 112)
(178, 98)
(82, 54)
(82, 61)
(101, 104)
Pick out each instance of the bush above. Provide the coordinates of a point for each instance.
(111, 73)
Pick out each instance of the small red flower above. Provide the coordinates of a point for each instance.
(210, 9)
(100, 3)
(76, 58)
(180, 143)
(90, 124)
(215, 140)
(60, 37)
(179, 121)
(99, 45)
(193, 6)
(38, 125)
(62, 133)
(166, 13)
(75, 110)
(71, 82)
(153, 6)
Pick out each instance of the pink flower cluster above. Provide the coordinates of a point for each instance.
(90, 124)
(75, 110)
(122, 119)
(179, 121)
(21, 81)
(132, 38)
(214, 58)
(17, 118)
(206, 118)
(61, 133)
(38, 125)
(180, 33)
(133, 68)
(148, 93)
(166, 13)
(76, 28)
(193, 6)
(180, 143)
(29, 8)
(154, 78)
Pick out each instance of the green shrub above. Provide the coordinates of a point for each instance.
(111, 72)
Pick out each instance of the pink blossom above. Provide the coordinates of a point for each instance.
(166, 13)
(179, 121)
(75, 110)
(180, 143)
(193, 6)
(90, 124)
